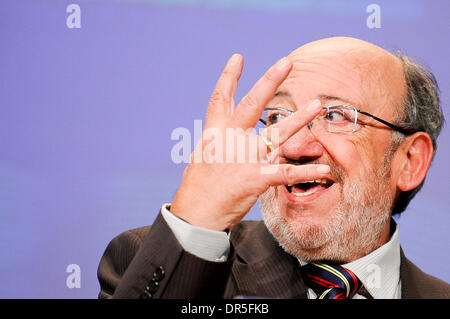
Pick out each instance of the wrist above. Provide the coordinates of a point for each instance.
(199, 215)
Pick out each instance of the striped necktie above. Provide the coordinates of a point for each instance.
(330, 281)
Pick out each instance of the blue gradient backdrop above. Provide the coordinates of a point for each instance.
(86, 116)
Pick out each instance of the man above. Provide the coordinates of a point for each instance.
(356, 130)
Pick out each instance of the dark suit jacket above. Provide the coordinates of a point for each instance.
(257, 266)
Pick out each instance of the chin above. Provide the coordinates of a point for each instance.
(338, 234)
(306, 238)
(299, 228)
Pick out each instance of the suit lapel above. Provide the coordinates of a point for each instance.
(264, 269)
(409, 279)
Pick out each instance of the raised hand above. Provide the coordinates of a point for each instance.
(225, 178)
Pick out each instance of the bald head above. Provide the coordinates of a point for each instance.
(371, 75)
(340, 44)
(358, 52)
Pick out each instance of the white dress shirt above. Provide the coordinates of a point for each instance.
(378, 271)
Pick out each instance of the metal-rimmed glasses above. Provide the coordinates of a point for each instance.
(332, 119)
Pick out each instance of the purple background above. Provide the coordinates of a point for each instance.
(86, 116)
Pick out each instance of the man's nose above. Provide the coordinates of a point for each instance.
(302, 147)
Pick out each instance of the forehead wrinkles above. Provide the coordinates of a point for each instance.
(312, 76)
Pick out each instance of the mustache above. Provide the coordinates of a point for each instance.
(336, 171)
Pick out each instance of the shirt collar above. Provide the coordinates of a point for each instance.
(379, 271)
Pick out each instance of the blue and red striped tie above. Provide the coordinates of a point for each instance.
(330, 281)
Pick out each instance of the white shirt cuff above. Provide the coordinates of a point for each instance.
(204, 243)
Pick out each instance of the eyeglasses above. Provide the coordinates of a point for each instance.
(332, 119)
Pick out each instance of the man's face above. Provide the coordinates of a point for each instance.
(349, 218)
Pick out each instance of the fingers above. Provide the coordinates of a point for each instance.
(282, 131)
(221, 104)
(252, 105)
(287, 174)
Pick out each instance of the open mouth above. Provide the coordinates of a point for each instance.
(309, 187)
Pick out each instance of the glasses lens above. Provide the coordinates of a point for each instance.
(335, 119)
(340, 119)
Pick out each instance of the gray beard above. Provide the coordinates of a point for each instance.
(355, 229)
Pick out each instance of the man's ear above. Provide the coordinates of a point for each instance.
(417, 152)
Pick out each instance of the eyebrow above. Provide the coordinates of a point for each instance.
(282, 93)
(321, 97)
(340, 98)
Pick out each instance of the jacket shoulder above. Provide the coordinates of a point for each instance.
(418, 284)
(139, 233)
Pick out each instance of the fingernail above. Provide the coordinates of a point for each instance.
(234, 59)
(323, 169)
(314, 106)
(283, 64)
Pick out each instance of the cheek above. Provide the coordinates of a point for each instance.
(348, 154)
(359, 155)
(372, 147)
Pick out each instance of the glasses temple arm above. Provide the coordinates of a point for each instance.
(395, 127)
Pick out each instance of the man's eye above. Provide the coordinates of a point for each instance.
(274, 118)
(336, 116)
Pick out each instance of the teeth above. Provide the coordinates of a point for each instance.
(319, 181)
(305, 193)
